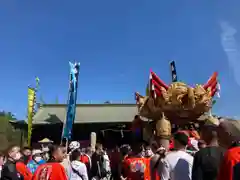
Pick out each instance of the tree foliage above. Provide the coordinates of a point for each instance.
(8, 115)
(8, 134)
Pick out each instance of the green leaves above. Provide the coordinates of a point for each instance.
(8, 134)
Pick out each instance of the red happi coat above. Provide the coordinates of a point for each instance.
(50, 171)
(137, 168)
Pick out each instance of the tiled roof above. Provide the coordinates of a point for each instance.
(86, 113)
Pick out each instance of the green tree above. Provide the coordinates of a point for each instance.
(5, 117)
(8, 135)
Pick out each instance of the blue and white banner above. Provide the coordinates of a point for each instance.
(72, 99)
(173, 71)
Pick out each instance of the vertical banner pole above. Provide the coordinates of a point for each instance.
(173, 71)
(66, 145)
(72, 99)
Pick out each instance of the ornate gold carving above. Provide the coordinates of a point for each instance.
(163, 128)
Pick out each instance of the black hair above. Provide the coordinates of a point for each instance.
(136, 117)
(52, 150)
(154, 145)
(209, 132)
(75, 154)
(137, 148)
(235, 144)
(26, 148)
(182, 138)
(125, 149)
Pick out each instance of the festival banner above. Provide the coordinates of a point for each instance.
(72, 99)
(31, 105)
(173, 71)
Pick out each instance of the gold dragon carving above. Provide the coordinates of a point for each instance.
(179, 97)
(177, 102)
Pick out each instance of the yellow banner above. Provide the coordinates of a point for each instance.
(31, 104)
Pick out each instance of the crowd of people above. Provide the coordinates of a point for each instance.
(212, 154)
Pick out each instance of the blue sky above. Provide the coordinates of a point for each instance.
(117, 42)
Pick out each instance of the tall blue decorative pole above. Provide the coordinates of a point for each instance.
(71, 104)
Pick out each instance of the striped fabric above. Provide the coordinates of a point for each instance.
(155, 85)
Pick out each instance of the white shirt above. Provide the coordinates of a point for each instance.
(177, 165)
(106, 162)
(81, 170)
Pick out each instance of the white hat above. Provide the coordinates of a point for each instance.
(36, 151)
(74, 145)
(45, 140)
